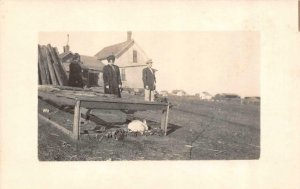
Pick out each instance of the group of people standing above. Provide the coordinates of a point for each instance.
(112, 77)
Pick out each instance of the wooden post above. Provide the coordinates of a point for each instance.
(76, 122)
(164, 120)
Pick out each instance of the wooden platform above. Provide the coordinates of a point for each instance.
(90, 99)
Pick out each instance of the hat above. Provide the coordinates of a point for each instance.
(76, 55)
(149, 61)
(110, 57)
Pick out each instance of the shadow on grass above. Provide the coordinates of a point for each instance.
(172, 128)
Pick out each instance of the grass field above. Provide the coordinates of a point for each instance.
(198, 130)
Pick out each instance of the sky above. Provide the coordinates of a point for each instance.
(216, 62)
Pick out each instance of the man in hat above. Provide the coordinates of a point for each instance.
(112, 78)
(149, 81)
(75, 76)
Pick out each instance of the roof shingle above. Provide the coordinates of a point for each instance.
(117, 50)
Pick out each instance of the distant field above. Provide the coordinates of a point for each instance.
(197, 130)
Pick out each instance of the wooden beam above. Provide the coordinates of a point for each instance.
(121, 105)
(59, 100)
(62, 68)
(56, 125)
(76, 122)
(42, 70)
(55, 65)
(45, 64)
(166, 120)
(50, 67)
(44, 67)
(57, 73)
(65, 88)
(40, 80)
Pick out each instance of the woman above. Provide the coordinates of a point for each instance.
(75, 77)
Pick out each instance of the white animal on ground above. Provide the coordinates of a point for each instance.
(138, 126)
(45, 110)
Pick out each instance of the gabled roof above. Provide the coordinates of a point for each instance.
(177, 91)
(87, 62)
(65, 55)
(91, 62)
(66, 65)
(116, 49)
(206, 93)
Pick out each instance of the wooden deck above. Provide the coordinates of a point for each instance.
(90, 99)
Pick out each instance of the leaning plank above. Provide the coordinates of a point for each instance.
(43, 62)
(40, 80)
(55, 65)
(41, 69)
(49, 63)
(57, 73)
(59, 127)
(63, 70)
(47, 70)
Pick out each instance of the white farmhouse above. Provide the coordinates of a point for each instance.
(131, 60)
(205, 96)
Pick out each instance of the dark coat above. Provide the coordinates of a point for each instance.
(149, 78)
(112, 78)
(75, 76)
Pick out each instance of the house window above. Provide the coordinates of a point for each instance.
(134, 56)
(123, 76)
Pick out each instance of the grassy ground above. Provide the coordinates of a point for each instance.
(198, 130)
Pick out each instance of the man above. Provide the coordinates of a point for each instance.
(75, 76)
(149, 81)
(112, 78)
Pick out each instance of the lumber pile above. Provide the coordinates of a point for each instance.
(51, 70)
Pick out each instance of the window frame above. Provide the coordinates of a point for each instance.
(123, 74)
(134, 56)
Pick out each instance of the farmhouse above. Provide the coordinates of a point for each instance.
(205, 96)
(164, 93)
(251, 100)
(130, 58)
(226, 97)
(179, 92)
(91, 66)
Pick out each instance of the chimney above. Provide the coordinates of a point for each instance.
(67, 47)
(129, 34)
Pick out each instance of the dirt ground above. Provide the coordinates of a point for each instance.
(198, 130)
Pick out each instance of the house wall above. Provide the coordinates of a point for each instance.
(133, 71)
(127, 58)
(133, 77)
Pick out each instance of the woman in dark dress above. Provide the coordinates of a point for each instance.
(75, 77)
(112, 78)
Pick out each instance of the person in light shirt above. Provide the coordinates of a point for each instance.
(149, 81)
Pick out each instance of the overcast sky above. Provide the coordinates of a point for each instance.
(216, 62)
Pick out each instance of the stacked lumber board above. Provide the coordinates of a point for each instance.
(51, 70)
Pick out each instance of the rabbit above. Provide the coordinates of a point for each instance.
(45, 110)
(138, 126)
